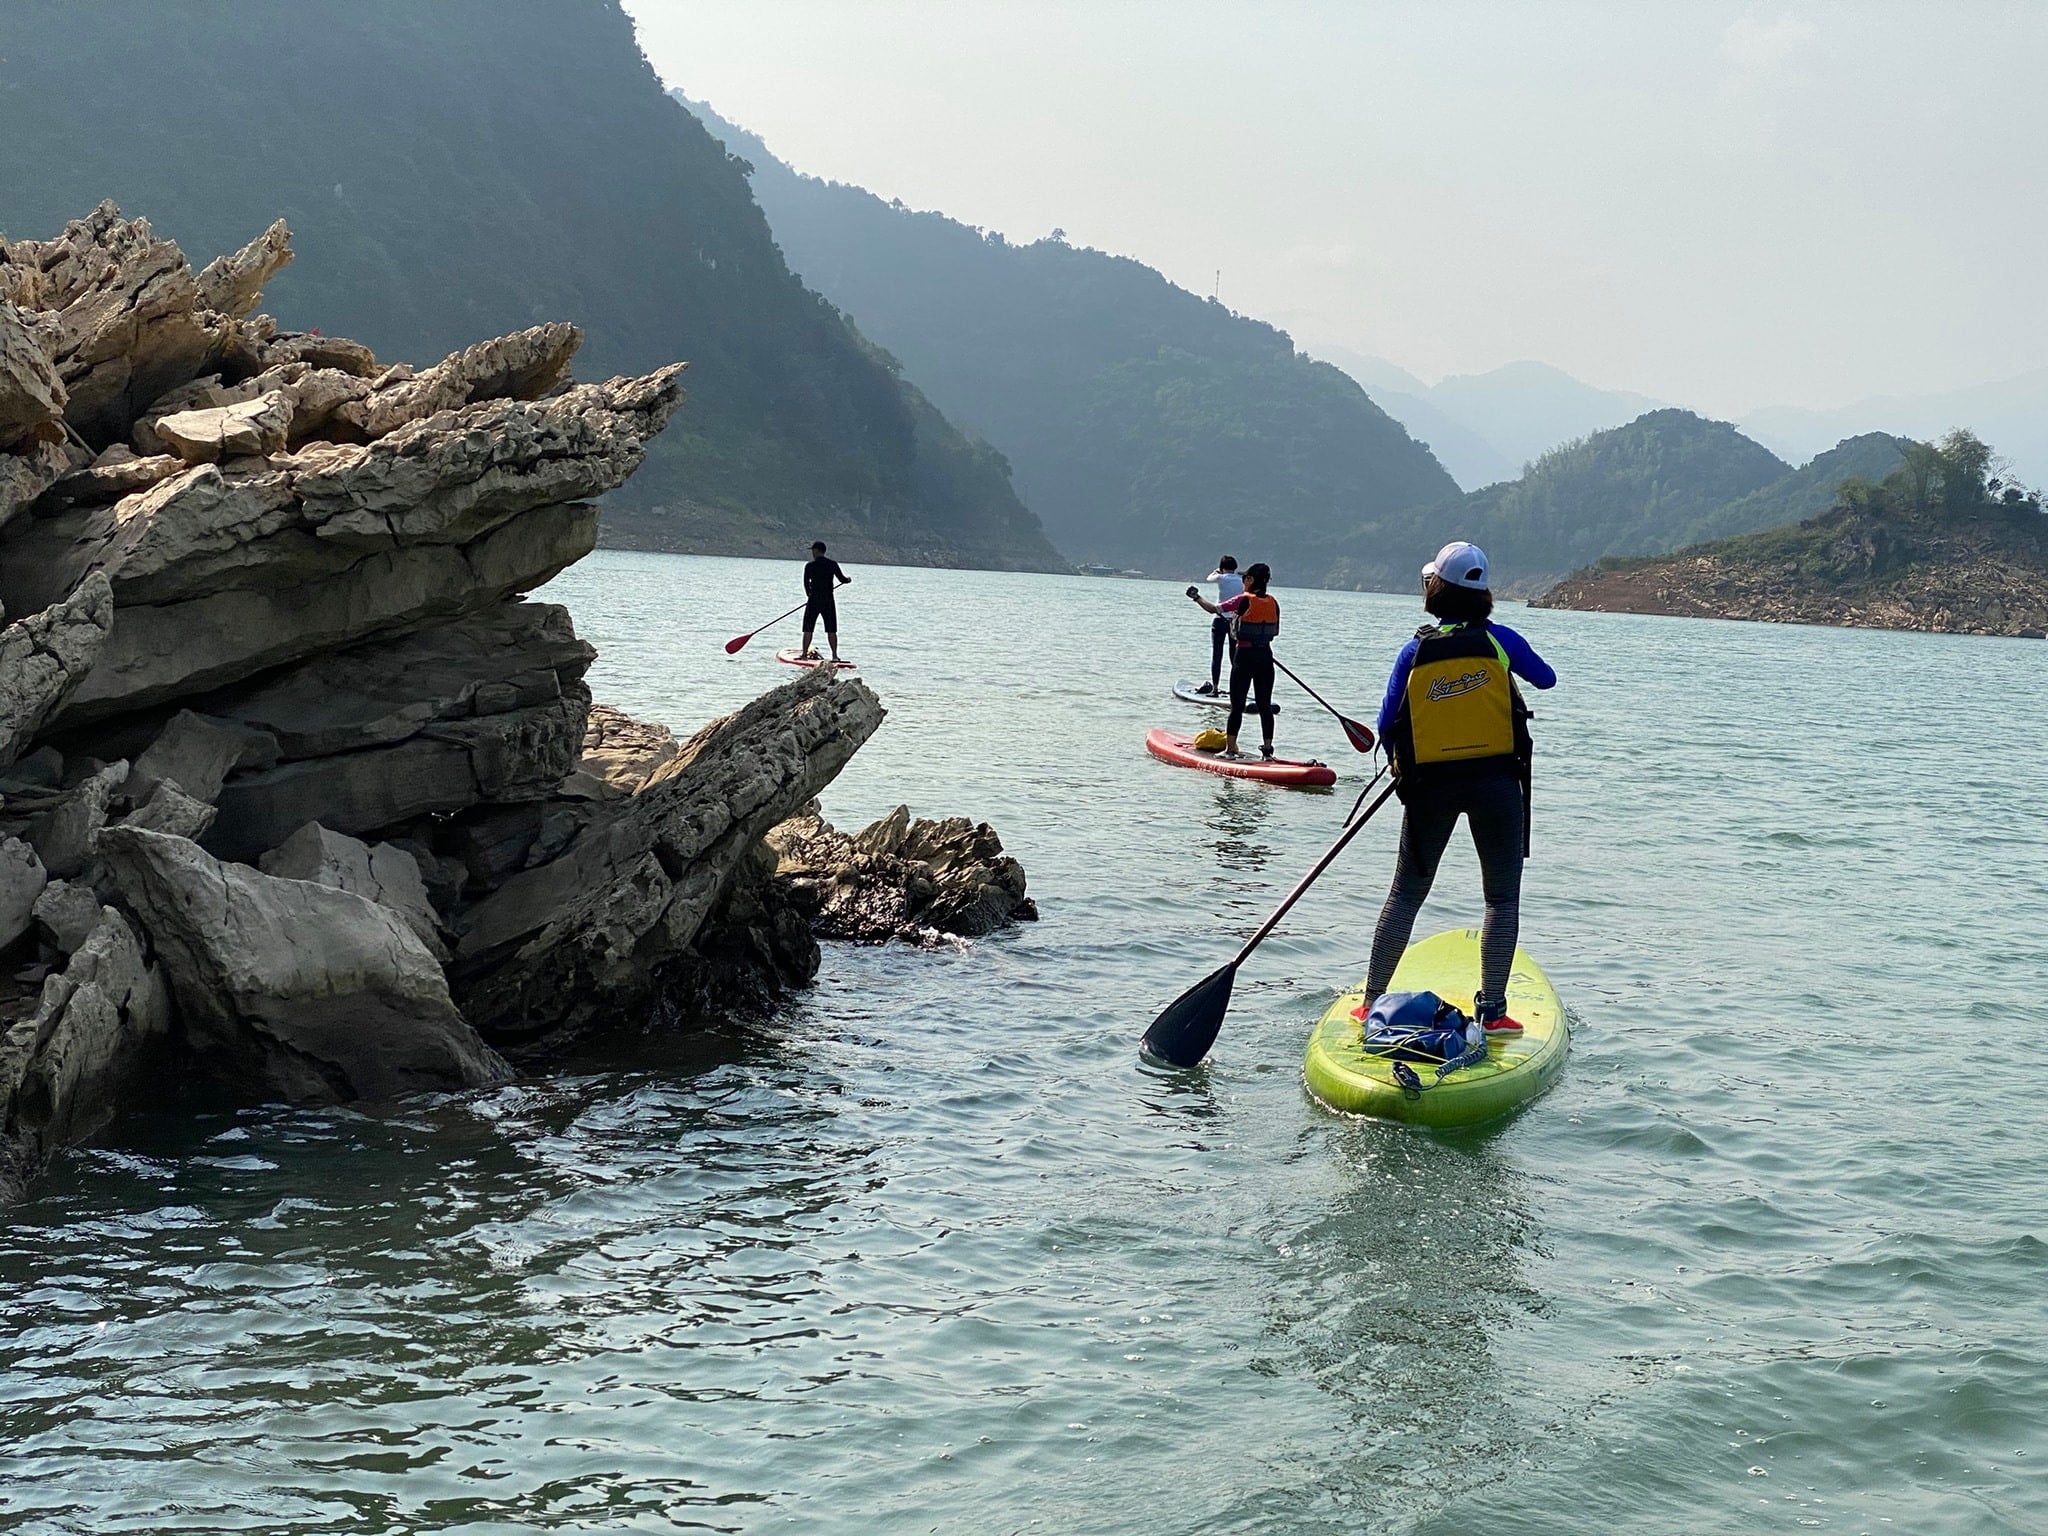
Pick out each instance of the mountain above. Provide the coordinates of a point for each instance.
(1489, 427)
(1146, 426)
(1527, 408)
(1471, 459)
(457, 170)
(2012, 413)
(1666, 479)
(1931, 548)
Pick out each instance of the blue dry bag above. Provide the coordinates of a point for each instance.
(1415, 1026)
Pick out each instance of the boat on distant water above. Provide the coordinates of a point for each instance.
(1107, 570)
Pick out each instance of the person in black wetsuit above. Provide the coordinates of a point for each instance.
(1254, 624)
(821, 578)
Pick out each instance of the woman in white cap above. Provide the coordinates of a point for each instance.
(1453, 722)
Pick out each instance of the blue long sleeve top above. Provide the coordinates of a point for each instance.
(1522, 661)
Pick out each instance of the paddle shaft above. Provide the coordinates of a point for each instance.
(799, 608)
(1309, 879)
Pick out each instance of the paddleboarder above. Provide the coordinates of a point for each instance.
(1228, 585)
(1254, 619)
(1454, 723)
(822, 578)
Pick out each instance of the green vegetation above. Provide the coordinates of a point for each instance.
(1943, 504)
(456, 170)
(1146, 426)
(1666, 479)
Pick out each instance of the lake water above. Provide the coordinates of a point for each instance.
(931, 1251)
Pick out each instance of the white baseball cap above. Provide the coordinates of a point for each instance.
(1460, 564)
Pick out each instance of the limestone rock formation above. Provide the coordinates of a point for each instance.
(374, 825)
(553, 949)
(294, 990)
(901, 879)
(386, 875)
(67, 1068)
(43, 659)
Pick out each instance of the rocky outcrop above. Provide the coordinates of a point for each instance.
(544, 956)
(1972, 573)
(68, 1067)
(899, 878)
(296, 789)
(43, 659)
(294, 990)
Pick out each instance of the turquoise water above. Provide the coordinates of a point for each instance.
(930, 1251)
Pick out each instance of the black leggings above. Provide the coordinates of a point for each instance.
(1251, 666)
(1219, 637)
(1493, 806)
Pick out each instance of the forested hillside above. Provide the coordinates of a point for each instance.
(1940, 543)
(1145, 426)
(456, 170)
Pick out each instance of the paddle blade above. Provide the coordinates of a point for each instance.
(736, 644)
(1187, 1026)
(1360, 737)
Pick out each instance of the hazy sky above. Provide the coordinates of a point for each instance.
(1724, 205)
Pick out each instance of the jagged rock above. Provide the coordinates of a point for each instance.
(164, 651)
(520, 754)
(169, 809)
(900, 878)
(293, 990)
(234, 284)
(512, 656)
(198, 752)
(117, 314)
(252, 427)
(32, 396)
(45, 657)
(623, 753)
(27, 476)
(65, 835)
(590, 934)
(384, 874)
(117, 472)
(749, 954)
(91, 1043)
(525, 365)
(325, 352)
(22, 883)
(69, 912)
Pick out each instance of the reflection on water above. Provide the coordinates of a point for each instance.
(930, 1249)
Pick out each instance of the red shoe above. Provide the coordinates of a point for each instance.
(1503, 1026)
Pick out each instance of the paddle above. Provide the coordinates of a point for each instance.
(1359, 736)
(1187, 1026)
(738, 642)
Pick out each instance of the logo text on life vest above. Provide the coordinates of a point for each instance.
(1450, 687)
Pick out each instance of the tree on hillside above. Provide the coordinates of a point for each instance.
(1965, 461)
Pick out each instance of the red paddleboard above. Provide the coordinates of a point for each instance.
(790, 656)
(1172, 747)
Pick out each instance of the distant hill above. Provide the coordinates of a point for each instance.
(456, 170)
(1147, 427)
(1632, 490)
(1488, 427)
(1931, 548)
(1526, 409)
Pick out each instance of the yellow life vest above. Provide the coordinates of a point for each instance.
(1461, 704)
